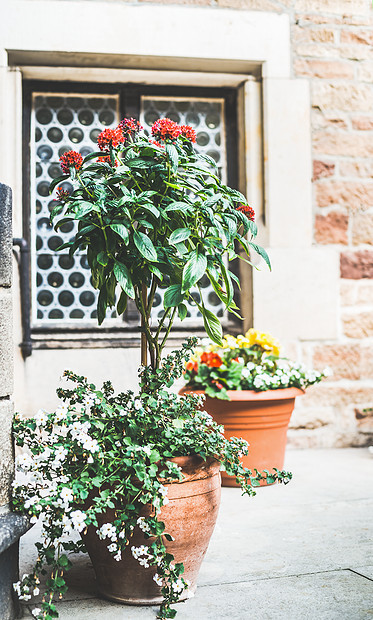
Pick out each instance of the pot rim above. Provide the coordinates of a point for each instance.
(236, 395)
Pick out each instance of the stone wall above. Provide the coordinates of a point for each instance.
(332, 49)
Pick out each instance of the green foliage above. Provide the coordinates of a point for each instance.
(99, 450)
(156, 214)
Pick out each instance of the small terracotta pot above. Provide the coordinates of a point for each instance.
(261, 418)
(189, 517)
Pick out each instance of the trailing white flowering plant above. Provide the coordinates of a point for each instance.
(249, 362)
(100, 451)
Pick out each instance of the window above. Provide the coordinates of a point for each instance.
(59, 119)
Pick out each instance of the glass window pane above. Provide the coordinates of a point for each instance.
(62, 290)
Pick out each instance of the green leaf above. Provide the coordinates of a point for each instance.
(84, 208)
(178, 206)
(56, 181)
(121, 230)
(102, 258)
(156, 272)
(145, 246)
(173, 156)
(101, 305)
(178, 235)
(173, 296)
(261, 251)
(182, 311)
(122, 303)
(124, 279)
(193, 270)
(212, 325)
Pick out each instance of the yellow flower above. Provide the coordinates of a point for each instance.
(266, 341)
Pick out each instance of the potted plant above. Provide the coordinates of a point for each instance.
(126, 470)
(251, 390)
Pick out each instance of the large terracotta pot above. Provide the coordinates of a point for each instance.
(189, 517)
(261, 418)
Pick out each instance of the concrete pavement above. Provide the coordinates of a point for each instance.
(300, 552)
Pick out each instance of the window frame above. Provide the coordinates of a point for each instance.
(127, 333)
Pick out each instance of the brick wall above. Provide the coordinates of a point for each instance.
(332, 47)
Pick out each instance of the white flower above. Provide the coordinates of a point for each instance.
(145, 527)
(143, 562)
(41, 417)
(107, 530)
(35, 591)
(118, 556)
(66, 495)
(17, 587)
(78, 519)
(147, 450)
(60, 453)
(178, 586)
(158, 579)
(61, 413)
(24, 462)
(90, 459)
(31, 501)
(33, 520)
(113, 547)
(35, 612)
(137, 404)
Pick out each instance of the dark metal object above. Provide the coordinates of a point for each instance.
(23, 260)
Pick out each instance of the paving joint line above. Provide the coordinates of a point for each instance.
(318, 572)
(360, 574)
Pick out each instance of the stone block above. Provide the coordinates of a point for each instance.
(5, 235)
(322, 169)
(326, 69)
(259, 5)
(328, 120)
(311, 418)
(363, 37)
(350, 194)
(348, 292)
(357, 265)
(358, 325)
(337, 7)
(367, 363)
(6, 343)
(354, 51)
(317, 50)
(6, 450)
(362, 228)
(343, 359)
(356, 168)
(342, 143)
(331, 228)
(364, 418)
(365, 72)
(347, 97)
(316, 35)
(12, 526)
(365, 292)
(363, 123)
(337, 395)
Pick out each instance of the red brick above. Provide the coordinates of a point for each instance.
(331, 228)
(357, 265)
(322, 169)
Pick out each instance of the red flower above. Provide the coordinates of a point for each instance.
(161, 146)
(62, 194)
(107, 160)
(129, 126)
(213, 360)
(192, 366)
(218, 385)
(248, 211)
(188, 132)
(165, 129)
(71, 159)
(109, 137)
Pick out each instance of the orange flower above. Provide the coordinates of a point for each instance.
(213, 360)
(192, 366)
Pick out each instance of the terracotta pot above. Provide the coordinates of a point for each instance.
(261, 418)
(189, 517)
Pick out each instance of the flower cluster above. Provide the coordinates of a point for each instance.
(129, 127)
(249, 362)
(62, 194)
(166, 129)
(109, 138)
(94, 443)
(248, 211)
(188, 132)
(71, 159)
